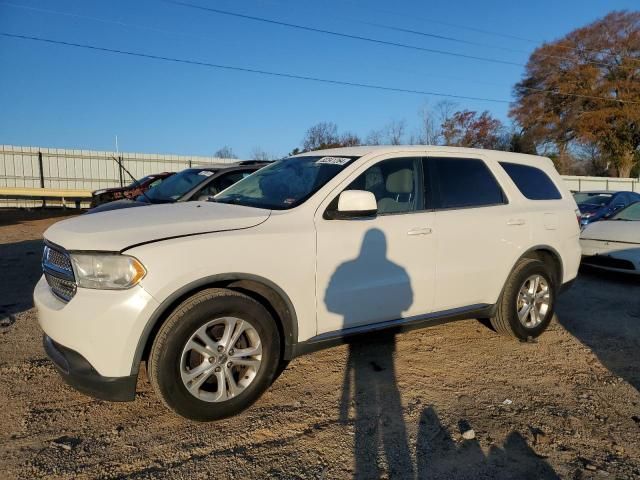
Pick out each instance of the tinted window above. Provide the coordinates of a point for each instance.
(532, 182)
(394, 183)
(465, 182)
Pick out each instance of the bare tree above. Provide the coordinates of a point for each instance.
(321, 135)
(258, 154)
(429, 132)
(395, 132)
(225, 152)
(374, 137)
(349, 139)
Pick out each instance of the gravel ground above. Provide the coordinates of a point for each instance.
(451, 401)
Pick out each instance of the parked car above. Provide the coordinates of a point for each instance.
(217, 296)
(596, 205)
(132, 190)
(197, 183)
(614, 244)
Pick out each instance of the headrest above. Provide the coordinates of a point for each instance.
(400, 181)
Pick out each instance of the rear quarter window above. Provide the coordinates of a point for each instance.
(532, 182)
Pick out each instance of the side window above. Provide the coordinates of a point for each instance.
(157, 181)
(396, 184)
(532, 182)
(465, 182)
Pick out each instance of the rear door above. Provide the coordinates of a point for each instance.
(478, 232)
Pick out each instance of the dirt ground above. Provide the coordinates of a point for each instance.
(567, 406)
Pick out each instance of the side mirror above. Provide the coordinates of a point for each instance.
(355, 204)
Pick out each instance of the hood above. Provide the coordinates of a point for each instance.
(613, 231)
(118, 229)
(117, 205)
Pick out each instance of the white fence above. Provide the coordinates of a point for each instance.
(581, 184)
(39, 167)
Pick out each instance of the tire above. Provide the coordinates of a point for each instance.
(181, 346)
(506, 320)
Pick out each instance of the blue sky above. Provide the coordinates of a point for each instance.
(60, 96)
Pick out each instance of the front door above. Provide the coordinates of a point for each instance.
(382, 268)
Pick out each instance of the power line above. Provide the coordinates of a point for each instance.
(342, 35)
(249, 70)
(379, 41)
(497, 47)
(494, 33)
(296, 76)
(199, 37)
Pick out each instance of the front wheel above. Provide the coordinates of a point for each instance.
(215, 355)
(526, 306)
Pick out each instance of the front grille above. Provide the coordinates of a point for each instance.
(610, 262)
(58, 272)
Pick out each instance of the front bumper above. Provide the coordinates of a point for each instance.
(104, 327)
(80, 374)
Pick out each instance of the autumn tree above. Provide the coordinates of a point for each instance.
(585, 89)
(468, 129)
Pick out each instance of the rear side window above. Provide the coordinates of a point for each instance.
(464, 183)
(532, 182)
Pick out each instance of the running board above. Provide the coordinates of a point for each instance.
(339, 337)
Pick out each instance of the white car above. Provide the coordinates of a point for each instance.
(614, 244)
(217, 296)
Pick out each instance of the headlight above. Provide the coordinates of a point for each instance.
(106, 271)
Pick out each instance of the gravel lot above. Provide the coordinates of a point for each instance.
(567, 406)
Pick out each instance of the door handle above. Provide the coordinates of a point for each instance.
(419, 231)
(516, 221)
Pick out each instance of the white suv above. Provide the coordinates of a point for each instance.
(217, 296)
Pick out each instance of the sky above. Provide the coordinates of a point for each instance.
(67, 97)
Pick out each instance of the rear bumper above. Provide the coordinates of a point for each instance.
(80, 374)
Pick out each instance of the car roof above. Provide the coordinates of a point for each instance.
(363, 150)
(222, 166)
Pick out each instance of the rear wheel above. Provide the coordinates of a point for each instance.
(215, 355)
(527, 303)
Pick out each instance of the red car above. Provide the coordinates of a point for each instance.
(130, 191)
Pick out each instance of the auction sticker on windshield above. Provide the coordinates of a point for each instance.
(333, 160)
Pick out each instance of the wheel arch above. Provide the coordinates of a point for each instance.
(270, 295)
(550, 257)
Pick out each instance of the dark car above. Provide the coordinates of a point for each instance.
(197, 183)
(133, 190)
(597, 205)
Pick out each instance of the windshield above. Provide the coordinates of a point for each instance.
(177, 185)
(600, 199)
(631, 213)
(284, 184)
